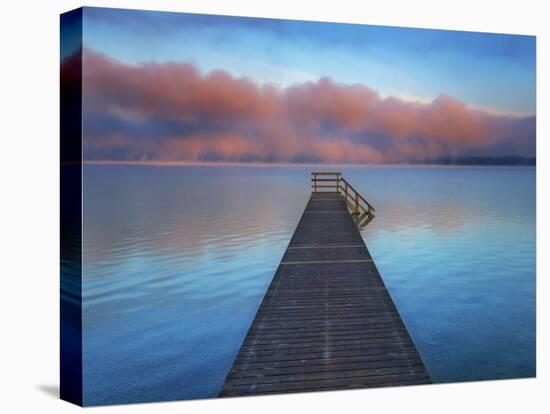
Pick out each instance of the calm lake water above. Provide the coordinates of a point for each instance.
(177, 260)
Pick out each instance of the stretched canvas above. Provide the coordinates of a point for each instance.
(255, 206)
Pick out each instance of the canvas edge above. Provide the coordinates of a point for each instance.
(70, 170)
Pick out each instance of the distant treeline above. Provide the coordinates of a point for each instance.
(504, 160)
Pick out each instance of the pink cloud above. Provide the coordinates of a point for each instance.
(171, 111)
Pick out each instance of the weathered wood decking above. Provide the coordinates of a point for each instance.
(327, 321)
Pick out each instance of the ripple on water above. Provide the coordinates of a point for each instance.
(173, 274)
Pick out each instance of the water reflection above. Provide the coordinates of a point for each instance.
(71, 284)
(177, 260)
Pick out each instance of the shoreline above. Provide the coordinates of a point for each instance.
(289, 165)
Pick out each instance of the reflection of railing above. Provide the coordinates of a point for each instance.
(332, 182)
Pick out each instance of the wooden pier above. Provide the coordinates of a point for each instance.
(327, 321)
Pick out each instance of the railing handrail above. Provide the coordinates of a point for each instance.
(334, 179)
(360, 196)
(325, 173)
(361, 213)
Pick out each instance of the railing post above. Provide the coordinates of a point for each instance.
(346, 191)
(337, 182)
(314, 182)
(356, 202)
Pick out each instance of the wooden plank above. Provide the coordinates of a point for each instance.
(368, 381)
(326, 321)
(349, 246)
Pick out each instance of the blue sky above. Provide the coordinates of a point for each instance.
(163, 86)
(495, 72)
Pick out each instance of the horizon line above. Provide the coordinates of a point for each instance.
(283, 164)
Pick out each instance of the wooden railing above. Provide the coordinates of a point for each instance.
(322, 184)
(332, 182)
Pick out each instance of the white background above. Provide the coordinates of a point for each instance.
(29, 209)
